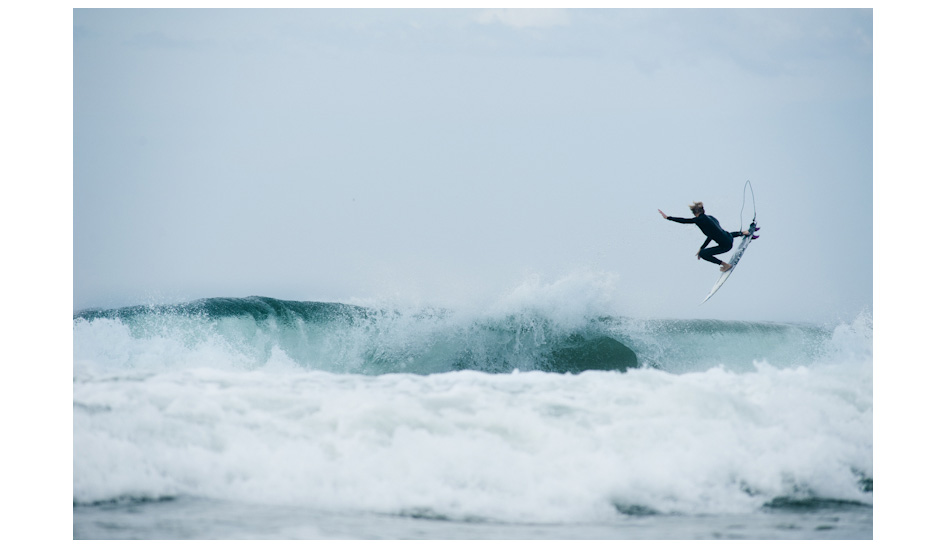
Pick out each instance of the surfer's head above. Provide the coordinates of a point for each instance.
(697, 208)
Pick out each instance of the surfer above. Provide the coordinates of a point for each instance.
(713, 231)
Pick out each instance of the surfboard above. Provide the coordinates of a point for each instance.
(734, 261)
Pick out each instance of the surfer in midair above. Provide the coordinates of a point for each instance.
(713, 231)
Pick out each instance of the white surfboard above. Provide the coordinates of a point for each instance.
(734, 261)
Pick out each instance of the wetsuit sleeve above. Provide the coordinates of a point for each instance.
(705, 244)
(681, 220)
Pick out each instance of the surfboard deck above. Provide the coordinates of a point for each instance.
(734, 261)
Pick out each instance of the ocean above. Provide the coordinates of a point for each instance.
(260, 418)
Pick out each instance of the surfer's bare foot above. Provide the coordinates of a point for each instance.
(725, 267)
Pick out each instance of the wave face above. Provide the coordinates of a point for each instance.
(351, 339)
(340, 338)
(520, 414)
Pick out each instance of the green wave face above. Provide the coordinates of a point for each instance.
(341, 338)
(353, 339)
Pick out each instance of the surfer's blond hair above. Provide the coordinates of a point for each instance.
(697, 208)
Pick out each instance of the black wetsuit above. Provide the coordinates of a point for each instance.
(714, 232)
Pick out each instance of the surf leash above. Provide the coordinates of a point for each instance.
(752, 226)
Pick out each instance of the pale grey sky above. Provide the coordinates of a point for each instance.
(446, 156)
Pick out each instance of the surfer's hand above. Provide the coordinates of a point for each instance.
(661, 213)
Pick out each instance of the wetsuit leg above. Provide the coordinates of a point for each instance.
(709, 254)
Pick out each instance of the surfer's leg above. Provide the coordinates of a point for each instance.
(709, 254)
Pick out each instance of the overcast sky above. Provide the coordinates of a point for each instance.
(445, 157)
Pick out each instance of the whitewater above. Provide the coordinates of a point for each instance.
(538, 418)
